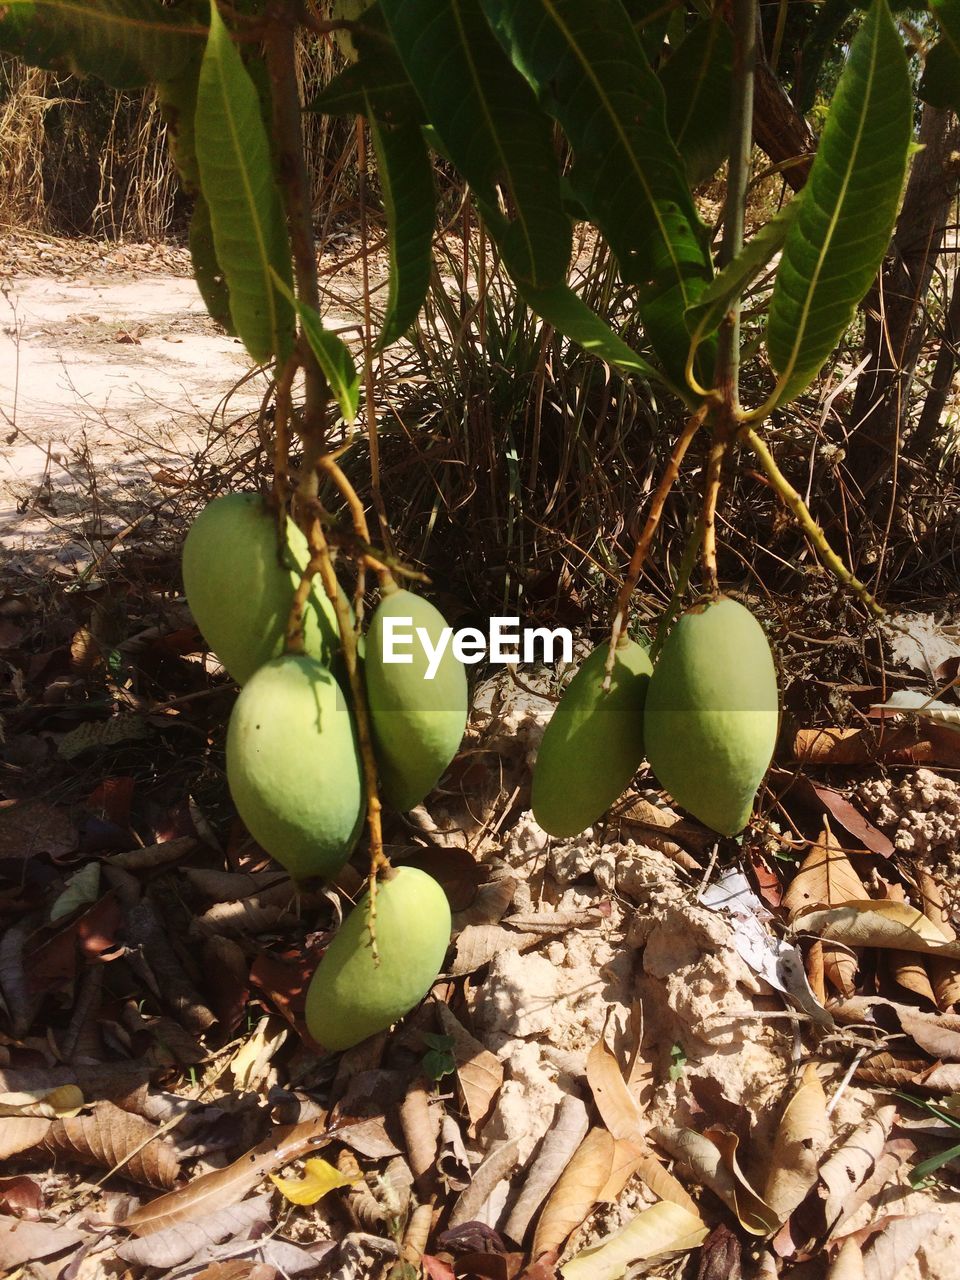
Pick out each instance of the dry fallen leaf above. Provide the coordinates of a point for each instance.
(870, 923)
(117, 1141)
(663, 1228)
(479, 1072)
(944, 974)
(712, 1157)
(565, 1135)
(825, 879)
(212, 1191)
(848, 1264)
(619, 1109)
(801, 1139)
(590, 1176)
(179, 1244)
(848, 1168)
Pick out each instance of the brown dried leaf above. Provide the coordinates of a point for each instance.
(61, 1100)
(889, 1252)
(479, 943)
(178, 1244)
(116, 1140)
(25, 1242)
(496, 1165)
(848, 1168)
(712, 1157)
(825, 878)
(20, 1195)
(568, 1130)
(479, 1072)
(929, 744)
(491, 904)
(851, 819)
(212, 1191)
(944, 974)
(619, 1109)
(802, 1137)
(577, 1191)
(870, 923)
(848, 1264)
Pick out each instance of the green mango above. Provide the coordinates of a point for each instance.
(350, 997)
(417, 723)
(593, 744)
(240, 585)
(711, 717)
(293, 766)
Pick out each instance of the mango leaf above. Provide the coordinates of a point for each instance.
(593, 76)
(406, 180)
(377, 79)
(206, 270)
(715, 301)
(571, 316)
(332, 354)
(177, 100)
(696, 81)
(487, 119)
(249, 234)
(650, 19)
(940, 83)
(125, 43)
(847, 208)
(320, 1177)
(663, 1228)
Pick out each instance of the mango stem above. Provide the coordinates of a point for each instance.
(642, 546)
(792, 499)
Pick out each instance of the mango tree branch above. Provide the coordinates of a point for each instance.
(725, 419)
(708, 518)
(280, 33)
(642, 546)
(796, 504)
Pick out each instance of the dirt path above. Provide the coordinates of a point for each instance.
(112, 381)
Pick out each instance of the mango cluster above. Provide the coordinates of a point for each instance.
(293, 758)
(705, 717)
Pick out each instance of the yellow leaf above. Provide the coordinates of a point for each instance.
(319, 1178)
(663, 1228)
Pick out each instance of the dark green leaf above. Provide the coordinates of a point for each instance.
(570, 315)
(376, 80)
(333, 355)
(714, 302)
(406, 179)
(487, 118)
(249, 233)
(847, 209)
(940, 85)
(650, 19)
(206, 269)
(593, 76)
(697, 81)
(126, 43)
(177, 100)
